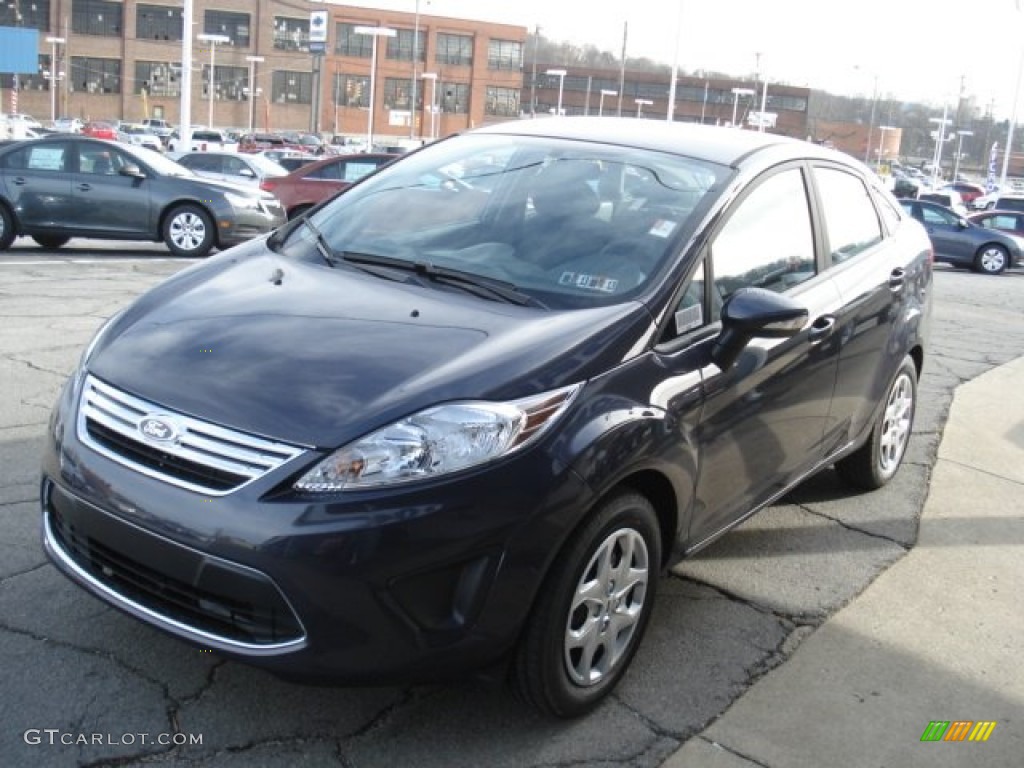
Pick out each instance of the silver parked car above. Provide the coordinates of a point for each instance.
(239, 168)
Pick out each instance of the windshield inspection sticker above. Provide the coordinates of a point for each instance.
(662, 228)
(589, 282)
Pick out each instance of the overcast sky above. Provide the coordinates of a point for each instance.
(919, 49)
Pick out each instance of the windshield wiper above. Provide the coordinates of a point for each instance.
(486, 287)
(321, 241)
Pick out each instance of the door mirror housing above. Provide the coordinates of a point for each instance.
(755, 313)
(133, 170)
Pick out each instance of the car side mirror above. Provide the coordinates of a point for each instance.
(755, 313)
(963, 223)
(247, 172)
(131, 169)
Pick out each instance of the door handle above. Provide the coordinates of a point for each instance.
(19, 180)
(822, 328)
(897, 278)
(84, 187)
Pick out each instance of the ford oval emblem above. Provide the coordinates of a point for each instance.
(158, 428)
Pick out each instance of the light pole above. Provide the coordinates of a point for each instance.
(560, 74)
(940, 139)
(600, 101)
(736, 93)
(871, 120)
(213, 40)
(432, 77)
(640, 103)
(54, 42)
(415, 58)
(959, 146)
(253, 60)
(374, 32)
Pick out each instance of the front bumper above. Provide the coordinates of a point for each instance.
(245, 224)
(409, 585)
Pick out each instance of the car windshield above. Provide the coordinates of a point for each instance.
(570, 223)
(156, 161)
(266, 166)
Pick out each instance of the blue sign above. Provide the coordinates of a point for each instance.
(19, 50)
(317, 47)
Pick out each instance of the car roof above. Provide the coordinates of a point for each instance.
(727, 146)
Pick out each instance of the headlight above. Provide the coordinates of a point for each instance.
(437, 441)
(242, 202)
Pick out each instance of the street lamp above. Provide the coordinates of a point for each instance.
(54, 42)
(560, 74)
(600, 102)
(640, 106)
(253, 61)
(213, 40)
(432, 77)
(871, 120)
(374, 32)
(736, 93)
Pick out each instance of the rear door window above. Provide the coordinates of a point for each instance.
(851, 221)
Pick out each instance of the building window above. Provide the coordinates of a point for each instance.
(291, 34)
(38, 81)
(96, 17)
(505, 54)
(293, 87)
(158, 22)
(454, 49)
(351, 90)
(400, 46)
(229, 84)
(396, 93)
(234, 25)
(34, 14)
(502, 101)
(158, 78)
(455, 98)
(348, 42)
(95, 75)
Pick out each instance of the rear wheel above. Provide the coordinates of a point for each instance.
(592, 610)
(992, 259)
(874, 463)
(188, 231)
(6, 228)
(50, 241)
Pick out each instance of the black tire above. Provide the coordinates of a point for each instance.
(550, 670)
(991, 259)
(297, 211)
(875, 463)
(50, 241)
(7, 233)
(188, 231)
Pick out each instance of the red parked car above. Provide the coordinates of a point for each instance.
(301, 189)
(99, 129)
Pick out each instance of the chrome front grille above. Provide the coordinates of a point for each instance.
(195, 454)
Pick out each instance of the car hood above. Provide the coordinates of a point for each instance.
(238, 188)
(310, 355)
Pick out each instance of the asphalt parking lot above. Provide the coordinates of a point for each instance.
(84, 685)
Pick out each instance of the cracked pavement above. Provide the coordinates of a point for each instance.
(723, 620)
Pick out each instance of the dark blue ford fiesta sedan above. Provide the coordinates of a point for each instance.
(461, 417)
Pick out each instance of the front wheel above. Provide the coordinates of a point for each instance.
(873, 464)
(188, 231)
(992, 259)
(592, 610)
(7, 232)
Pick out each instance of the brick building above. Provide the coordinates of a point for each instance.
(123, 60)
